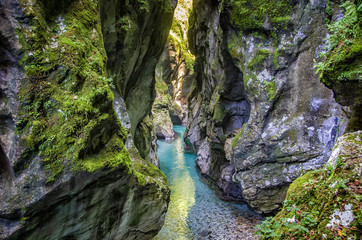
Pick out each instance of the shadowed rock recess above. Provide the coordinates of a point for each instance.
(76, 85)
(259, 116)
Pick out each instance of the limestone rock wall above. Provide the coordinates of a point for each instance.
(135, 34)
(178, 76)
(68, 166)
(133, 44)
(259, 115)
(174, 76)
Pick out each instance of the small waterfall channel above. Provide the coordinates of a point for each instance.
(195, 212)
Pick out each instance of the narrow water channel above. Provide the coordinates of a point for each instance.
(195, 212)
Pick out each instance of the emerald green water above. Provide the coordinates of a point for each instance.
(195, 212)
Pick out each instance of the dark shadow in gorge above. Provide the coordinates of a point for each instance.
(6, 173)
(233, 98)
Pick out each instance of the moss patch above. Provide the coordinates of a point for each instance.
(215, 106)
(237, 137)
(66, 113)
(313, 199)
(261, 55)
(341, 60)
(219, 112)
(252, 14)
(250, 83)
(271, 90)
(235, 46)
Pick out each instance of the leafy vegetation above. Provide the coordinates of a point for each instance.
(182, 48)
(237, 137)
(260, 56)
(271, 90)
(313, 199)
(123, 24)
(143, 5)
(341, 59)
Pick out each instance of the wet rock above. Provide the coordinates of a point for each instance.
(146, 141)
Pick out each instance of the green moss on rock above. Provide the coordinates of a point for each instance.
(315, 199)
(342, 59)
(271, 90)
(237, 137)
(252, 14)
(66, 113)
(261, 55)
(250, 83)
(235, 46)
(219, 113)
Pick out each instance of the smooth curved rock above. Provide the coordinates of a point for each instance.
(135, 33)
(106, 204)
(163, 124)
(68, 168)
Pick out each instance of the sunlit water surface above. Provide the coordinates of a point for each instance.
(195, 212)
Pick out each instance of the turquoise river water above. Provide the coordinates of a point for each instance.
(195, 212)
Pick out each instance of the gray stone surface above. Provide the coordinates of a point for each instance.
(267, 115)
(133, 53)
(126, 201)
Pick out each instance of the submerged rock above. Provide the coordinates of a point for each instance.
(258, 105)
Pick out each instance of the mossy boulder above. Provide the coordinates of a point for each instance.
(325, 203)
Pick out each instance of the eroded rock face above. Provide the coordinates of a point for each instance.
(68, 166)
(163, 124)
(173, 71)
(135, 33)
(106, 204)
(174, 76)
(259, 115)
(10, 72)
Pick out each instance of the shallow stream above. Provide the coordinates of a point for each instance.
(195, 212)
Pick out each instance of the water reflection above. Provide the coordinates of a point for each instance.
(194, 211)
(172, 162)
